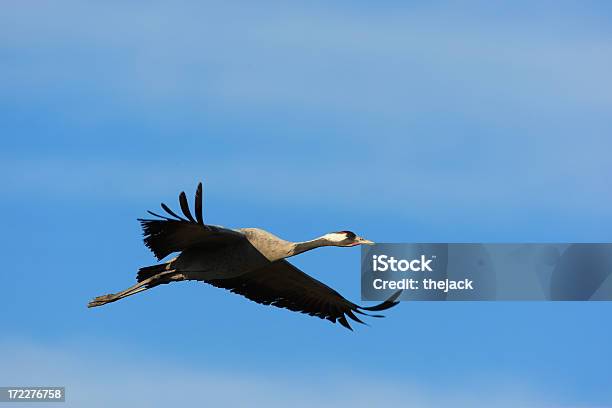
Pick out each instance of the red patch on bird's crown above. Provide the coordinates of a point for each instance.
(349, 234)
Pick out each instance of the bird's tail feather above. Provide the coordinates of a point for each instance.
(148, 271)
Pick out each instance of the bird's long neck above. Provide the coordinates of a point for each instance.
(304, 246)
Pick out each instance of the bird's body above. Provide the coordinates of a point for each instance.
(226, 261)
(247, 261)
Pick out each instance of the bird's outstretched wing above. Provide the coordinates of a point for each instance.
(173, 233)
(283, 285)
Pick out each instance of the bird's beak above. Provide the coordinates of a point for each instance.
(364, 241)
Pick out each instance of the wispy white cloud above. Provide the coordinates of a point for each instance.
(378, 186)
(532, 95)
(398, 64)
(97, 375)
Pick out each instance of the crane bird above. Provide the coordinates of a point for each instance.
(248, 261)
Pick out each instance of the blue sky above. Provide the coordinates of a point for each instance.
(403, 122)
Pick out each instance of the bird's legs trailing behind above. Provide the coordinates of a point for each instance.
(158, 279)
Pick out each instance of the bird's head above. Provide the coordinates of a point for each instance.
(345, 239)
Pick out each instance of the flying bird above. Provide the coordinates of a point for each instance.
(248, 261)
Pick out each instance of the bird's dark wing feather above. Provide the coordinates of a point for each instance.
(173, 233)
(283, 285)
